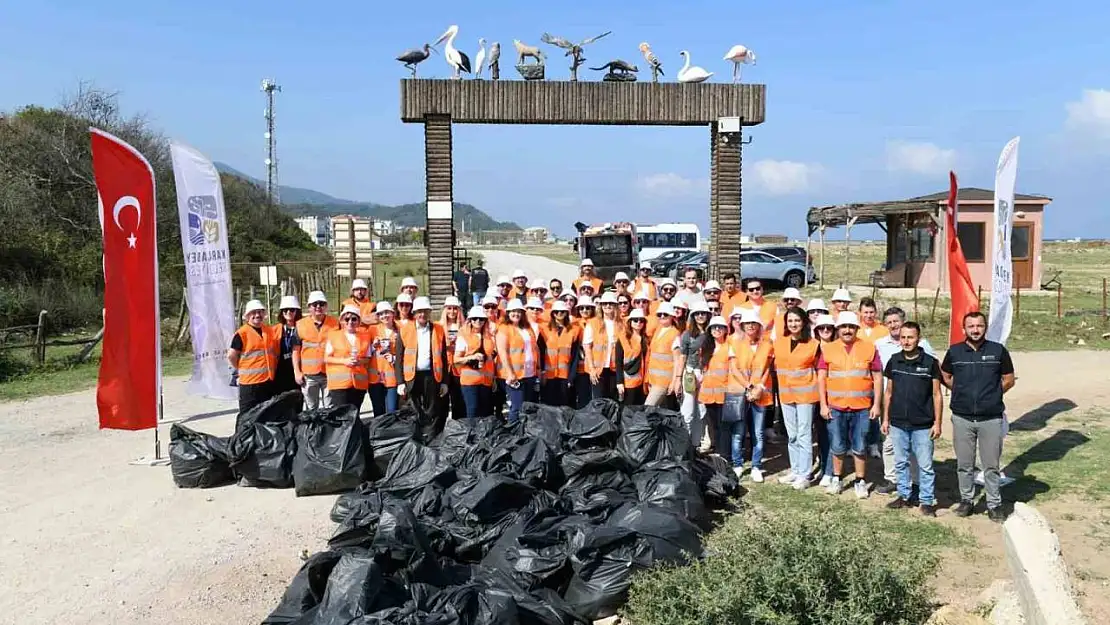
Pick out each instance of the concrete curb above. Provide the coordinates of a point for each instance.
(1038, 569)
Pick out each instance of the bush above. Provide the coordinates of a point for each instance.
(12, 367)
(790, 567)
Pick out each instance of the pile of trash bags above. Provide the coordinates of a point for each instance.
(540, 522)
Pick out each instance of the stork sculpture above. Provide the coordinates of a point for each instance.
(456, 58)
(574, 50)
(480, 58)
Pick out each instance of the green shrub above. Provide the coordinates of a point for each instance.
(12, 367)
(790, 566)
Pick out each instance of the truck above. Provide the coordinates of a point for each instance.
(613, 247)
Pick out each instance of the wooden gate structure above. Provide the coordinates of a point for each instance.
(725, 108)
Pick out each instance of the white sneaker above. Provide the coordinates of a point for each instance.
(757, 475)
(801, 483)
(833, 487)
(861, 490)
(876, 451)
(787, 478)
(825, 481)
(739, 471)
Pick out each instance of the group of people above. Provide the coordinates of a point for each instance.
(720, 353)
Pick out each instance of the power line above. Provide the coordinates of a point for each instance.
(269, 87)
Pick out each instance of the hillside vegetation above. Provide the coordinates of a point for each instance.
(50, 258)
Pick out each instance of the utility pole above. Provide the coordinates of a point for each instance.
(269, 87)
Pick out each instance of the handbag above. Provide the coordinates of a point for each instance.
(736, 405)
(689, 381)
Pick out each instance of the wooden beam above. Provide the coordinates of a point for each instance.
(439, 183)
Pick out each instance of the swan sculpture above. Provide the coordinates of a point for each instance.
(739, 55)
(456, 58)
(480, 58)
(691, 74)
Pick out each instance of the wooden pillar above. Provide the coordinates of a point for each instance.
(727, 177)
(714, 271)
(439, 197)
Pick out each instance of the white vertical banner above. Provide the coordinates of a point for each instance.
(1002, 278)
(212, 318)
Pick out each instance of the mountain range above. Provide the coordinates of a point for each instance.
(299, 201)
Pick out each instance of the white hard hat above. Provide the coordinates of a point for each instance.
(680, 302)
(712, 285)
(383, 306)
(403, 298)
(289, 302)
(317, 296)
(791, 293)
(490, 298)
(841, 295)
(252, 306)
(570, 295)
(504, 280)
(737, 311)
(609, 297)
(621, 276)
(585, 301)
(586, 263)
(537, 285)
(637, 314)
(359, 283)
(665, 308)
(645, 264)
(718, 321)
(586, 285)
(559, 306)
(642, 295)
(519, 273)
(451, 300)
(534, 302)
(476, 312)
(515, 304)
(751, 316)
(409, 281)
(824, 320)
(847, 318)
(699, 306)
(421, 303)
(816, 304)
(350, 310)
(667, 282)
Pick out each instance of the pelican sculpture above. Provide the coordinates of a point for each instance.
(456, 58)
(739, 55)
(412, 58)
(495, 60)
(653, 61)
(691, 74)
(479, 58)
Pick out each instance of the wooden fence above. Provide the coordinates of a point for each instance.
(38, 342)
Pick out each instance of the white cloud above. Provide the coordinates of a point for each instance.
(672, 185)
(782, 177)
(919, 158)
(1091, 112)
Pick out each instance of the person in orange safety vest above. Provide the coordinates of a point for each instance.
(253, 354)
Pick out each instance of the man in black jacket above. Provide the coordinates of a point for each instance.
(979, 372)
(479, 283)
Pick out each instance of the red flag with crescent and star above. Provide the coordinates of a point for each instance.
(962, 290)
(128, 390)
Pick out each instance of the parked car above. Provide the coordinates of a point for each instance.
(788, 252)
(770, 268)
(699, 261)
(664, 264)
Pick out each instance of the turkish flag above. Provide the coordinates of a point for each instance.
(964, 297)
(128, 390)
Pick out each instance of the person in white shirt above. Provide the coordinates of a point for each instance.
(600, 361)
(426, 384)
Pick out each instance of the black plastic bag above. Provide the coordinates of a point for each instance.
(388, 433)
(264, 454)
(488, 499)
(357, 586)
(281, 408)
(357, 514)
(604, 559)
(533, 461)
(603, 468)
(402, 547)
(670, 484)
(472, 604)
(716, 479)
(649, 433)
(546, 422)
(198, 460)
(673, 539)
(333, 453)
(608, 408)
(591, 430)
(413, 467)
(596, 502)
(533, 551)
(306, 590)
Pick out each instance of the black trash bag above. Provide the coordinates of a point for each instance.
(487, 499)
(674, 540)
(649, 433)
(357, 514)
(306, 590)
(472, 604)
(608, 408)
(263, 453)
(670, 484)
(546, 422)
(413, 467)
(357, 586)
(533, 461)
(716, 479)
(402, 547)
(473, 541)
(604, 468)
(281, 408)
(604, 559)
(333, 452)
(388, 433)
(199, 460)
(590, 430)
(533, 551)
(596, 502)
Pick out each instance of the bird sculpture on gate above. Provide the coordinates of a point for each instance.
(653, 61)
(456, 58)
(574, 50)
(412, 58)
(739, 55)
(692, 74)
(479, 58)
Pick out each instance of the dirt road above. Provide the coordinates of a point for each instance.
(89, 538)
(500, 263)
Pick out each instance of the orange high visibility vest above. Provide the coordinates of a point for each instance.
(872, 333)
(582, 322)
(559, 351)
(730, 302)
(750, 367)
(366, 308)
(345, 376)
(473, 342)
(849, 384)
(634, 358)
(385, 342)
(714, 382)
(259, 356)
(600, 344)
(410, 342)
(660, 363)
(312, 343)
(513, 362)
(594, 282)
(640, 284)
(796, 371)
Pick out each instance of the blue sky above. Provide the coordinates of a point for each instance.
(866, 100)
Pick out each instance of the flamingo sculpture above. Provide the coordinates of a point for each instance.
(739, 55)
(480, 58)
(456, 58)
(691, 74)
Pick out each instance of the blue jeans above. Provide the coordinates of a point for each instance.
(383, 399)
(824, 445)
(524, 391)
(477, 297)
(478, 400)
(848, 431)
(798, 419)
(920, 444)
(735, 428)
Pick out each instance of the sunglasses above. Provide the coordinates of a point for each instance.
(350, 318)
(490, 306)
(662, 315)
(318, 304)
(559, 312)
(755, 289)
(638, 320)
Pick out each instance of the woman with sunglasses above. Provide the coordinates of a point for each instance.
(796, 369)
(518, 353)
(583, 389)
(642, 301)
(748, 394)
(714, 383)
(663, 358)
(695, 350)
(451, 319)
(533, 310)
(562, 340)
(288, 376)
(402, 312)
(815, 309)
(824, 329)
(474, 360)
(347, 358)
(494, 308)
(682, 312)
(632, 355)
(599, 339)
(383, 375)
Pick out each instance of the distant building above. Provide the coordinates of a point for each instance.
(384, 227)
(536, 234)
(353, 241)
(771, 238)
(318, 228)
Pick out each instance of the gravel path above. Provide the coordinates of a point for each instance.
(500, 263)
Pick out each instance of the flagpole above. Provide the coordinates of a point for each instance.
(161, 415)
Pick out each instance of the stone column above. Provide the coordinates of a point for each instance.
(713, 228)
(726, 202)
(439, 197)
